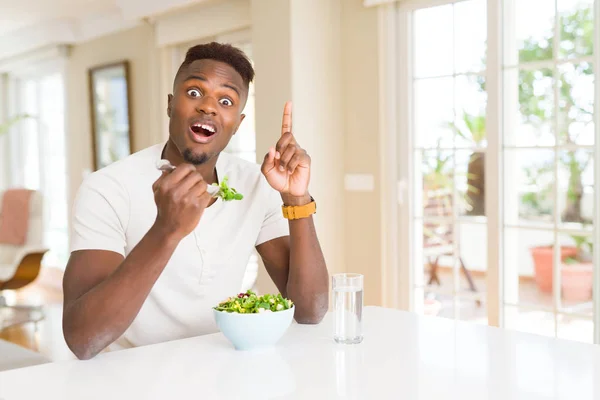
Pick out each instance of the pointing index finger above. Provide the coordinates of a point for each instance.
(286, 124)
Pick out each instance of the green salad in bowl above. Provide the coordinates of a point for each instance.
(250, 321)
(251, 303)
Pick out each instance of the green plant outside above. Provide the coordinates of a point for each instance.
(577, 30)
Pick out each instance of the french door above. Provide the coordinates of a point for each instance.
(503, 139)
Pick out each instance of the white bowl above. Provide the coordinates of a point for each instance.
(251, 331)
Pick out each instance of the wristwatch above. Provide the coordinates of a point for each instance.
(298, 212)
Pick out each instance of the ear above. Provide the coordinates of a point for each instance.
(242, 116)
(169, 100)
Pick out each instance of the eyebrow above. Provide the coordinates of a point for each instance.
(203, 79)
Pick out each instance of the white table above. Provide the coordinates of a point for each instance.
(13, 356)
(403, 356)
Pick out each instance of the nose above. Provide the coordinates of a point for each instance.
(207, 105)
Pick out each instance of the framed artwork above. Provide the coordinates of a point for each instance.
(110, 111)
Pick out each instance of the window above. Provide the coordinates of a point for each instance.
(548, 154)
(38, 155)
(545, 136)
(449, 144)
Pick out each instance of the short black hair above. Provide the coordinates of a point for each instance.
(226, 53)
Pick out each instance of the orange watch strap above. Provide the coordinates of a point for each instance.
(298, 212)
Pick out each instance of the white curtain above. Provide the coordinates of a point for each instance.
(34, 151)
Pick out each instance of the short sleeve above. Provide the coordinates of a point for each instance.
(100, 215)
(274, 224)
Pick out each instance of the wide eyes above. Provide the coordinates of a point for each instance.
(195, 93)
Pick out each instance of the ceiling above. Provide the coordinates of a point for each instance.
(26, 25)
(22, 14)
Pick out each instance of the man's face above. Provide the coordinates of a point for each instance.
(205, 109)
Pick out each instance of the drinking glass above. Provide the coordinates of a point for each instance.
(347, 290)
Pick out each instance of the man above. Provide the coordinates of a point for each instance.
(153, 252)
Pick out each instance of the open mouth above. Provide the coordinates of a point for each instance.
(203, 132)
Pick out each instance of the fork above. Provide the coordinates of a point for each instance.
(165, 165)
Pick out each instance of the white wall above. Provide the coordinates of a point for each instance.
(360, 82)
(296, 49)
(318, 108)
(137, 46)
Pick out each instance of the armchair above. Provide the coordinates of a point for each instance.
(20, 265)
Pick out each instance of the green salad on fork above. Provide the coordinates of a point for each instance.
(227, 193)
(223, 190)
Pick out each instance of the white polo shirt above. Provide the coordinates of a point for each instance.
(114, 208)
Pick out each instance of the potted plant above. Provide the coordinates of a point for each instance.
(577, 272)
(471, 128)
(543, 261)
